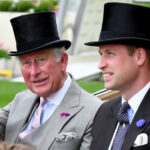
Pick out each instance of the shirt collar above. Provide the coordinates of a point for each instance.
(57, 97)
(136, 100)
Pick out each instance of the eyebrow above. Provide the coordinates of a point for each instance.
(105, 50)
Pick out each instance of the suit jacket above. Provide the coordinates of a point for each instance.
(58, 132)
(105, 123)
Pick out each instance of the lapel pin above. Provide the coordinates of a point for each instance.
(64, 114)
(140, 123)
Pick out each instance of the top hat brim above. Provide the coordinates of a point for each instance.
(127, 40)
(57, 43)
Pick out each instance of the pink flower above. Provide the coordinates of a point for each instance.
(64, 114)
(56, 13)
(1, 43)
(8, 48)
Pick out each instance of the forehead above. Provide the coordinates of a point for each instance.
(113, 47)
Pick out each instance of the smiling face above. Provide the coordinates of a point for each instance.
(120, 71)
(42, 73)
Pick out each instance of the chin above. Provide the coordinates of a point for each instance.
(109, 87)
(39, 92)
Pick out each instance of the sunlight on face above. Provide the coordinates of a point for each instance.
(42, 74)
(118, 68)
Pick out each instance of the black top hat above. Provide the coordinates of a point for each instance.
(124, 24)
(36, 31)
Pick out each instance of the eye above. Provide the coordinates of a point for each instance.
(41, 59)
(25, 62)
(110, 53)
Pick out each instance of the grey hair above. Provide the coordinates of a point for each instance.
(58, 52)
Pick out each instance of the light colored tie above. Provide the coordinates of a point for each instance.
(36, 120)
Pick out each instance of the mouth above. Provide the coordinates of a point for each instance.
(40, 82)
(107, 76)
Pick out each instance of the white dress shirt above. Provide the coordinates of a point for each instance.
(53, 101)
(134, 103)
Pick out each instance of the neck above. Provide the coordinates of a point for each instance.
(131, 91)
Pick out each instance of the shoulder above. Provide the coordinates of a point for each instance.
(90, 103)
(89, 98)
(108, 107)
(111, 103)
(86, 99)
(24, 92)
(24, 96)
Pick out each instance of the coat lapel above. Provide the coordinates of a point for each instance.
(71, 105)
(107, 124)
(142, 113)
(16, 122)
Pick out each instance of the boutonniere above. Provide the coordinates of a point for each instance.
(140, 123)
(64, 114)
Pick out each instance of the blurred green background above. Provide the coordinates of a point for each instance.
(8, 89)
(28, 6)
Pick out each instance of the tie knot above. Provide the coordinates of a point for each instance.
(124, 107)
(43, 102)
(122, 114)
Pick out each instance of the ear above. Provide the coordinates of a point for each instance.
(64, 61)
(141, 56)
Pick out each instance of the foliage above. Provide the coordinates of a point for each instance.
(143, 4)
(23, 6)
(9, 89)
(3, 51)
(28, 6)
(46, 5)
(91, 86)
(4, 54)
(6, 5)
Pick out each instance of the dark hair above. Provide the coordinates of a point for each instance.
(132, 49)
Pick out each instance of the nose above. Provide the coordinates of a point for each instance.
(102, 63)
(35, 70)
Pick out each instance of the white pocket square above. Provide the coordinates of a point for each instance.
(65, 137)
(141, 139)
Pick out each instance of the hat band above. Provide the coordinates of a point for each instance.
(106, 35)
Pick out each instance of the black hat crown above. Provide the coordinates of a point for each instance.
(124, 24)
(36, 31)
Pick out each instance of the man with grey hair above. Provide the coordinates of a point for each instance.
(54, 113)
